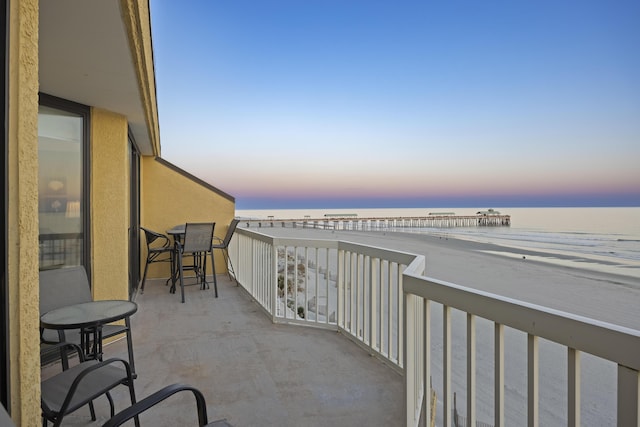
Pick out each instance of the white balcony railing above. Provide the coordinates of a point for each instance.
(364, 291)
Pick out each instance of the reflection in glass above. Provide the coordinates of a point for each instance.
(60, 144)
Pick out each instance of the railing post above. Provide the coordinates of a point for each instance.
(499, 375)
(446, 365)
(306, 286)
(409, 375)
(427, 361)
(353, 302)
(400, 313)
(628, 397)
(533, 369)
(573, 387)
(340, 318)
(274, 285)
(374, 276)
(471, 369)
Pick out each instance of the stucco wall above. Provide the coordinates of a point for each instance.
(136, 18)
(109, 199)
(169, 198)
(109, 205)
(22, 259)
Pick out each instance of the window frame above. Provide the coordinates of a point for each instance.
(85, 112)
(134, 214)
(5, 383)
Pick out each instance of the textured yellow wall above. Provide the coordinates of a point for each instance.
(22, 261)
(110, 200)
(109, 205)
(169, 198)
(136, 19)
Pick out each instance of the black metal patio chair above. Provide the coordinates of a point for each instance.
(161, 395)
(197, 242)
(159, 249)
(223, 244)
(79, 385)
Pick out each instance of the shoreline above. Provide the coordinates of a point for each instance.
(625, 268)
(557, 281)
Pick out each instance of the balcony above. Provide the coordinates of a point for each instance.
(324, 331)
(252, 372)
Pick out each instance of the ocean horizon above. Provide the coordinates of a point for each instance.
(604, 239)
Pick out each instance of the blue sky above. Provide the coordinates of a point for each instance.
(354, 103)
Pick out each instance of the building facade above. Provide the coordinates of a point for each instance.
(81, 167)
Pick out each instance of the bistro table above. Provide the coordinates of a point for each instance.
(177, 231)
(90, 317)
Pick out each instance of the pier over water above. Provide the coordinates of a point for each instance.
(351, 222)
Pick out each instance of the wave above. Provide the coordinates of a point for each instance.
(598, 247)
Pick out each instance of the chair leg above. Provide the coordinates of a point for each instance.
(132, 394)
(146, 267)
(196, 266)
(180, 272)
(92, 410)
(226, 261)
(230, 268)
(144, 276)
(171, 268)
(111, 405)
(204, 285)
(64, 358)
(132, 364)
(215, 281)
(174, 270)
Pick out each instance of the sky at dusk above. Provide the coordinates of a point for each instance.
(365, 103)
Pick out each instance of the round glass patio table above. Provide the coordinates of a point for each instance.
(89, 317)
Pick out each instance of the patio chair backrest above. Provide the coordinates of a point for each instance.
(198, 237)
(151, 236)
(160, 396)
(230, 231)
(63, 286)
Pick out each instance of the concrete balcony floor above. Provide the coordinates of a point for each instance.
(251, 371)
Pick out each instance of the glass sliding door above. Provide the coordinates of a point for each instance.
(63, 183)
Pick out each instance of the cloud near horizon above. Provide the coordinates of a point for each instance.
(382, 188)
(471, 201)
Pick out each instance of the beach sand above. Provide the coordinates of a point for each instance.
(598, 295)
(526, 276)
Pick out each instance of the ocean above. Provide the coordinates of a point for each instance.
(604, 239)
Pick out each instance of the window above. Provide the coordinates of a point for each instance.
(62, 183)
